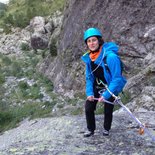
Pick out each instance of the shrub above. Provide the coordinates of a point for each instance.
(5, 117)
(24, 46)
(53, 48)
(34, 92)
(2, 79)
(23, 85)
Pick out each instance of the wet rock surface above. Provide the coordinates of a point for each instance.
(64, 136)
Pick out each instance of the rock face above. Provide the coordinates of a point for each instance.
(38, 40)
(12, 43)
(39, 35)
(129, 23)
(64, 135)
(44, 31)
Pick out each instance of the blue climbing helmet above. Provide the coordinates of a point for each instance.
(91, 32)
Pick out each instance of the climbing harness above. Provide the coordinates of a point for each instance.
(117, 100)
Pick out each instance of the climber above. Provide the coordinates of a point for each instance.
(97, 74)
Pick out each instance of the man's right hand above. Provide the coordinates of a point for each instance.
(90, 98)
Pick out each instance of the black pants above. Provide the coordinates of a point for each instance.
(90, 107)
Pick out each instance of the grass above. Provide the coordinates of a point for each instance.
(9, 118)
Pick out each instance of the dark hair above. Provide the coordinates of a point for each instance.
(100, 40)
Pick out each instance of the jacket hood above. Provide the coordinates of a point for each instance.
(110, 47)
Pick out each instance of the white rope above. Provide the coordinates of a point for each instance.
(99, 63)
(118, 101)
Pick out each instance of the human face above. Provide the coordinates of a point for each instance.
(93, 43)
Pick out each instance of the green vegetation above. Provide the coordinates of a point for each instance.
(20, 12)
(53, 48)
(25, 47)
(24, 68)
(9, 118)
(19, 99)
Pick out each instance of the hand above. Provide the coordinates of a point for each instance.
(101, 99)
(90, 98)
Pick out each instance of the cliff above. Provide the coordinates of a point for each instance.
(129, 23)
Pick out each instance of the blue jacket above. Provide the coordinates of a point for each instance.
(115, 80)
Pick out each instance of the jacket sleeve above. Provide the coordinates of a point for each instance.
(117, 81)
(89, 81)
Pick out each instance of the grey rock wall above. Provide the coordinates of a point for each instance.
(131, 24)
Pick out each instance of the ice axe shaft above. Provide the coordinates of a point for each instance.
(136, 119)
